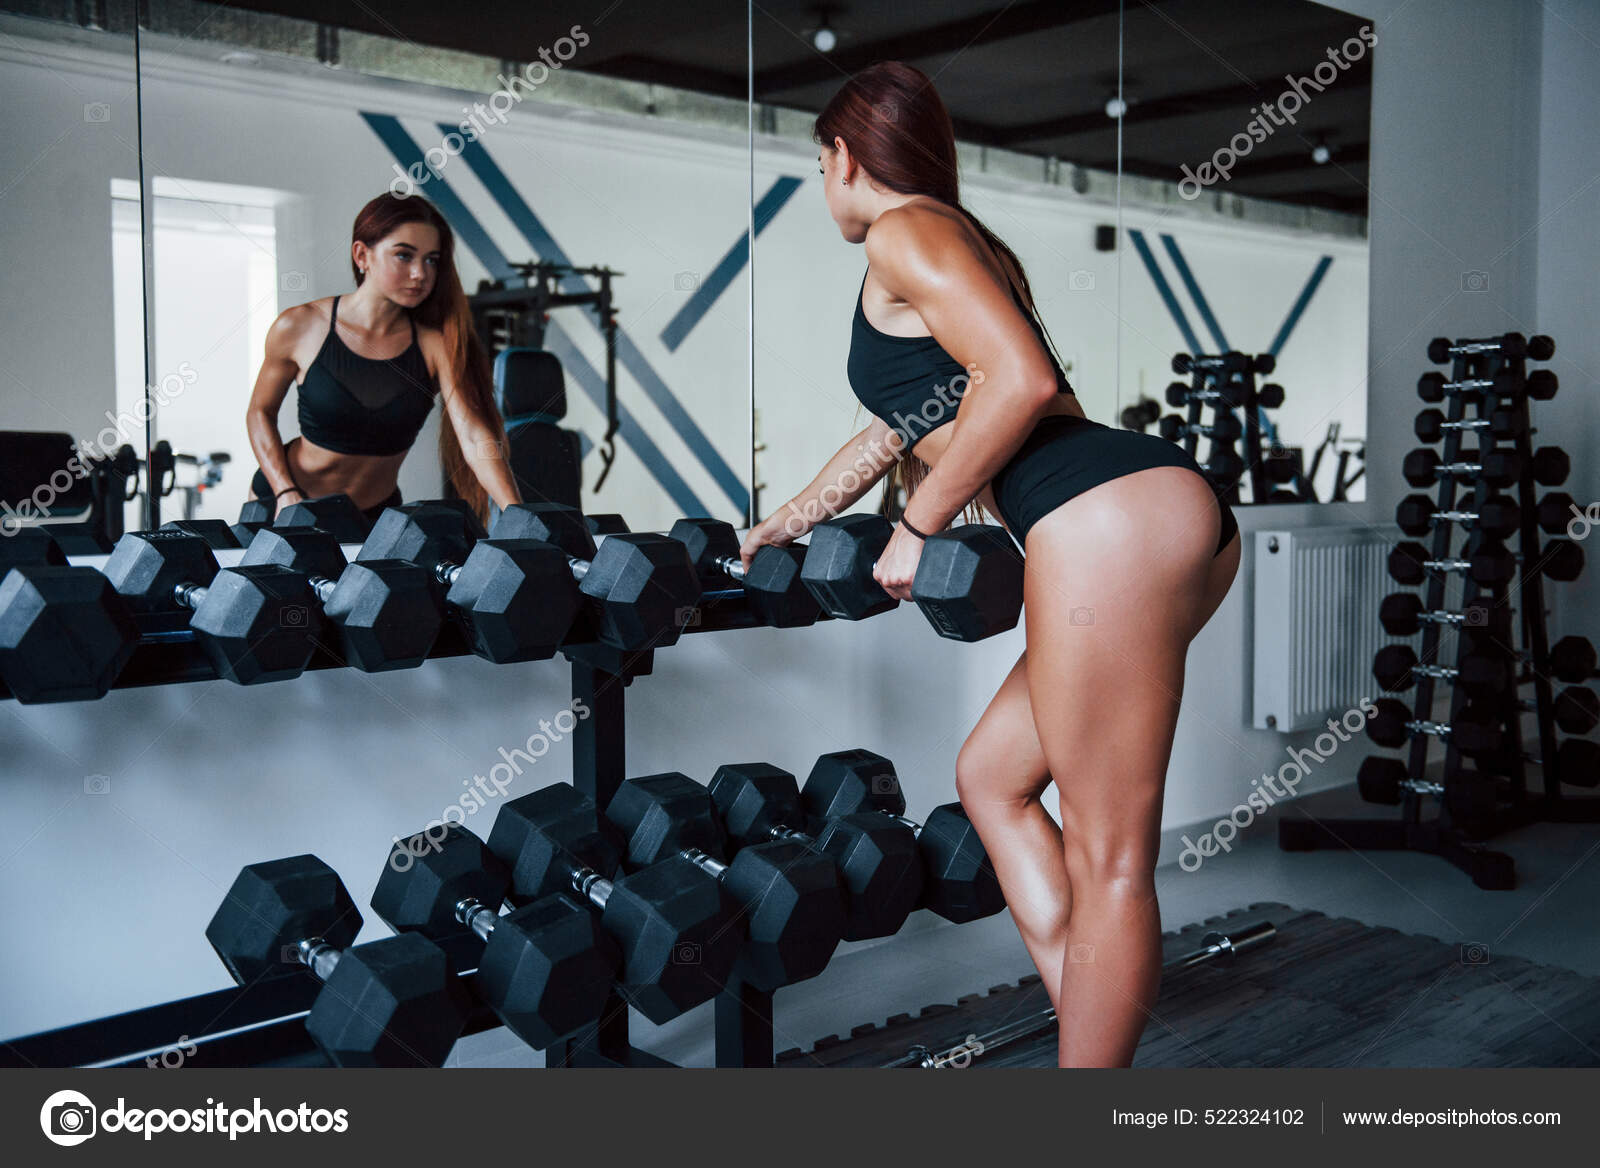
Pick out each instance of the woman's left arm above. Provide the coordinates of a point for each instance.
(481, 446)
(929, 262)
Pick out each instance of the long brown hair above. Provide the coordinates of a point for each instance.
(445, 309)
(896, 126)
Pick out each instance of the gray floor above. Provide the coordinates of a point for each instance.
(1550, 918)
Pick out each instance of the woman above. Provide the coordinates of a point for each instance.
(368, 367)
(1128, 553)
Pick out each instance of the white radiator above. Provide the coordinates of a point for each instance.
(1316, 626)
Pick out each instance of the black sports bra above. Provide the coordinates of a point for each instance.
(911, 382)
(352, 404)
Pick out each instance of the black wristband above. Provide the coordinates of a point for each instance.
(285, 491)
(907, 525)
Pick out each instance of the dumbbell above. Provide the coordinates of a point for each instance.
(389, 1003)
(876, 856)
(1402, 614)
(338, 515)
(1491, 565)
(546, 968)
(1472, 797)
(1433, 386)
(1223, 466)
(674, 928)
(1572, 659)
(1555, 511)
(1430, 425)
(790, 898)
(1540, 347)
(1423, 467)
(252, 620)
(513, 599)
(968, 581)
(1540, 385)
(1231, 361)
(1498, 516)
(1396, 668)
(1270, 395)
(1578, 759)
(1229, 393)
(65, 635)
(1576, 709)
(217, 534)
(1225, 427)
(641, 588)
(1140, 414)
(605, 524)
(383, 611)
(772, 584)
(1472, 730)
(958, 882)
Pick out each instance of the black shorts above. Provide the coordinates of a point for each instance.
(263, 491)
(1067, 455)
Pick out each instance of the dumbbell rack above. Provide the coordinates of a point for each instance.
(1481, 360)
(262, 1024)
(1214, 372)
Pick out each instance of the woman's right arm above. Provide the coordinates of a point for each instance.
(859, 464)
(266, 399)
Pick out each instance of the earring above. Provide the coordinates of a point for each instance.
(844, 182)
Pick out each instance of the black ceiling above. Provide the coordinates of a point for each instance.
(1031, 75)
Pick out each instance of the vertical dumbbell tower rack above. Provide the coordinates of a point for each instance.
(1224, 381)
(1489, 375)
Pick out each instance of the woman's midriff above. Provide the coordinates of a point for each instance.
(932, 447)
(368, 479)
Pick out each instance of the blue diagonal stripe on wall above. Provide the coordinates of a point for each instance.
(728, 268)
(1299, 308)
(544, 244)
(475, 239)
(1159, 278)
(1195, 294)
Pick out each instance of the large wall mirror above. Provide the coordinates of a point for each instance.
(69, 295)
(591, 163)
(1016, 80)
(1245, 132)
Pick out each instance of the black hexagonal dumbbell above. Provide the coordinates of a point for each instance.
(338, 515)
(512, 599)
(876, 857)
(772, 583)
(383, 612)
(641, 588)
(1431, 425)
(1472, 797)
(1497, 516)
(253, 621)
(390, 1003)
(1473, 730)
(958, 881)
(790, 899)
(65, 634)
(217, 534)
(674, 928)
(1402, 615)
(1396, 668)
(546, 968)
(968, 582)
